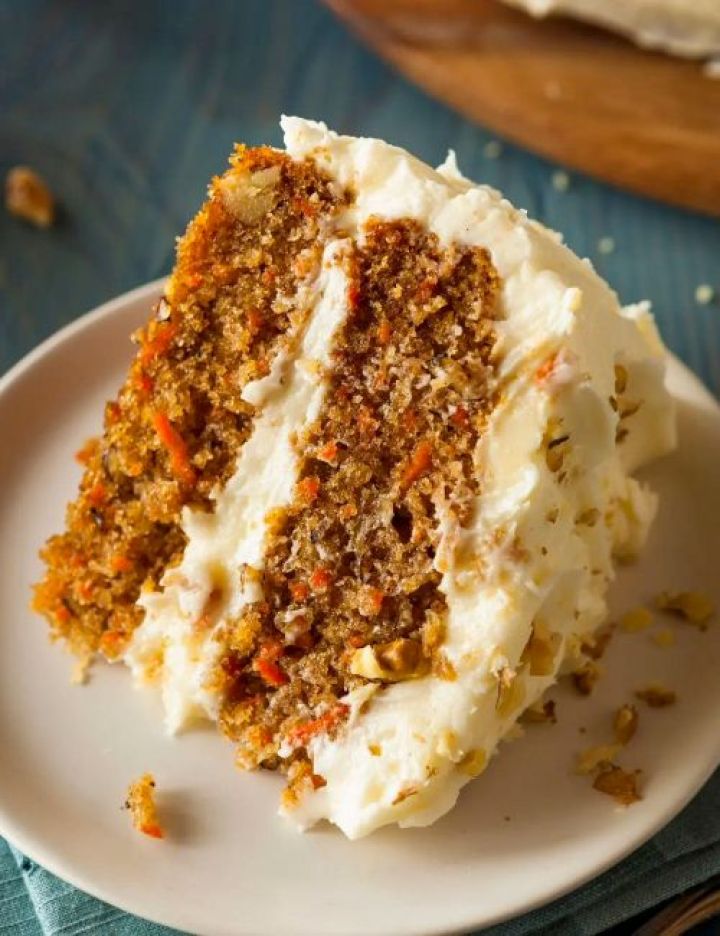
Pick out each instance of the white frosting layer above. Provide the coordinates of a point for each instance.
(685, 27)
(538, 550)
(225, 549)
(432, 734)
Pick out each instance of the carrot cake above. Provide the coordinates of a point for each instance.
(359, 497)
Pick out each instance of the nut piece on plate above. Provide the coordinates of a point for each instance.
(27, 196)
(618, 783)
(585, 677)
(656, 696)
(141, 803)
(625, 723)
(695, 607)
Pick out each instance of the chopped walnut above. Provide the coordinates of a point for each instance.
(141, 803)
(395, 661)
(656, 696)
(27, 196)
(694, 607)
(592, 758)
(618, 783)
(473, 763)
(637, 619)
(625, 723)
(595, 645)
(540, 713)
(585, 677)
(541, 649)
(511, 691)
(250, 195)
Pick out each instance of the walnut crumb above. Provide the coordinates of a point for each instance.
(27, 196)
(595, 645)
(141, 803)
(637, 619)
(585, 678)
(664, 638)
(656, 696)
(618, 783)
(591, 758)
(540, 713)
(625, 723)
(695, 607)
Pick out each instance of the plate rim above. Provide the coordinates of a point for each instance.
(28, 842)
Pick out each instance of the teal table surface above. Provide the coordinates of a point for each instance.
(128, 108)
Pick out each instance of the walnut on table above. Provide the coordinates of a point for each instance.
(27, 196)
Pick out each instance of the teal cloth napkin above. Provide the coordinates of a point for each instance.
(127, 109)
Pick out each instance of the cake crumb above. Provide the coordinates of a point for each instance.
(593, 757)
(618, 783)
(585, 678)
(625, 723)
(664, 638)
(27, 196)
(561, 181)
(656, 696)
(540, 713)
(637, 619)
(704, 294)
(79, 672)
(493, 149)
(695, 607)
(141, 803)
(606, 245)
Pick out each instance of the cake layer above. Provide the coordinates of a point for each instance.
(173, 433)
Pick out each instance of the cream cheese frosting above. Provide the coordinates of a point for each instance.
(684, 27)
(582, 404)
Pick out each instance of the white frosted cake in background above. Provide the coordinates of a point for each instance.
(360, 497)
(689, 28)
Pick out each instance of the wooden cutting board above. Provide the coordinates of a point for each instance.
(643, 121)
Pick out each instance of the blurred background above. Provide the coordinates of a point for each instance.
(127, 107)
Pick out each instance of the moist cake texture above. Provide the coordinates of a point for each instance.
(359, 497)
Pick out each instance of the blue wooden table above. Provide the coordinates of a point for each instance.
(127, 109)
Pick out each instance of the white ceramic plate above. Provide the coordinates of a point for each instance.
(526, 832)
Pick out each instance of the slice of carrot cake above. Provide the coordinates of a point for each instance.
(359, 496)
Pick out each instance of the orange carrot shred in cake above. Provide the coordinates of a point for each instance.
(376, 439)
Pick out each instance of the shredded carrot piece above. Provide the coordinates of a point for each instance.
(384, 332)
(86, 451)
(112, 413)
(309, 488)
(546, 368)
(193, 280)
(62, 614)
(320, 579)
(356, 641)
(143, 383)
(299, 591)
(266, 666)
(269, 276)
(460, 417)
(85, 590)
(152, 829)
(120, 563)
(255, 321)
(419, 463)
(177, 449)
(353, 296)
(374, 599)
(158, 344)
(409, 419)
(329, 452)
(303, 732)
(97, 494)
